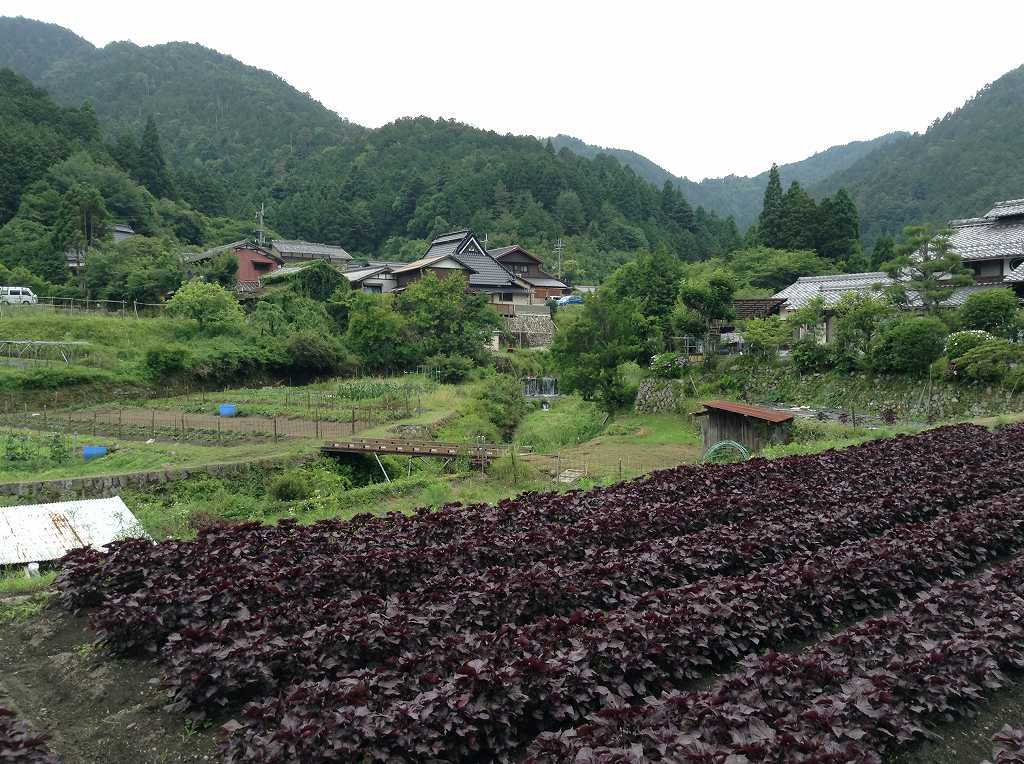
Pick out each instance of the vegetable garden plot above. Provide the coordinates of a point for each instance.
(467, 632)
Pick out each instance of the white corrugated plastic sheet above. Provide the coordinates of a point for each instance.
(40, 532)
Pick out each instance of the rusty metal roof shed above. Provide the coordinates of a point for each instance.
(41, 532)
(754, 412)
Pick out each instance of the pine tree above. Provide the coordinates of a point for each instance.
(151, 168)
(770, 222)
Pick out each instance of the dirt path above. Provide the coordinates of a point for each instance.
(97, 710)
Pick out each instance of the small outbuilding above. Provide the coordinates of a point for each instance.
(752, 427)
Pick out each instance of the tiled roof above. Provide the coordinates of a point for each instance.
(1009, 208)
(1016, 276)
(541, 281)
(829, 288)
(485, 271)
(756, 307)
(497, 252)
(989, 237)
(295, 247)
(426, 262)
(356, 275)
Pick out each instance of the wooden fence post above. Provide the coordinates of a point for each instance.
(353, 421)
(275, 428)
(152, 424)
(120, 431)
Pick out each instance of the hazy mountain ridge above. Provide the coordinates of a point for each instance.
(733, 195)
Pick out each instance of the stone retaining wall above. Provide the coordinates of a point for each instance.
(102, 486)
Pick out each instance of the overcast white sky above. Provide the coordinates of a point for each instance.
(704, 89)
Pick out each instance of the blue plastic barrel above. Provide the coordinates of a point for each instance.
(93, 452)
(228, 409)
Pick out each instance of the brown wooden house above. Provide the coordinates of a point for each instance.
(530, 269)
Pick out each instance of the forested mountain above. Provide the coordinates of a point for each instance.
(223, 124)
(963, 163)
(736, 196)
(234, 137)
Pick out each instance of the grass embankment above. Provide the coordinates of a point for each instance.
(31, 455)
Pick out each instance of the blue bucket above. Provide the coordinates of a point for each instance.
(93, 452)
(228, 409)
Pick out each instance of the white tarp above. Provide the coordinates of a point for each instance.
(40, 532)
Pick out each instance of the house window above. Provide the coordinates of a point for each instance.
(520, 268)
(505, 297)
(372, 288)
(261, 266)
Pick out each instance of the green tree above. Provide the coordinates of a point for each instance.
(652, 281)
(30, 245)
(799, 219)
(222, 269)
(993, 310)
(377, 334)
(82, 219)
(927, 268)
(883, 251)
(445, 318)
(592, 343)
(701, 303)
(502, 402)
(318, 281)
(151, 167)
(764, 336)
(858, 319)
(769, 224)
(211, 305)
(139, 269)
(838, 228)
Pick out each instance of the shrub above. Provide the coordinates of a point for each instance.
(314, 354)
(166, 360)
(991, 310)
(908, 345)
(810, 355)
(668, 365)
(290, 486)
(502, 401)
(989, 362)
(959, 343)
(213, 307)
(450, 368)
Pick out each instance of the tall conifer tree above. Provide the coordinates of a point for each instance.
(151, 166)
(770, 222)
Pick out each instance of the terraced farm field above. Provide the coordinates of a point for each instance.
(841, 607)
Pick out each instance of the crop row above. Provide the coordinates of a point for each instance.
(259, 652)
(1009, 746)
(857, 697)
(486, 695)
(19, 744)
(256, 567)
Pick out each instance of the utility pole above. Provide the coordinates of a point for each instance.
(260, 238)
(559, 247)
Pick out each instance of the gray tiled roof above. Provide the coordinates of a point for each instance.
(987, 238)
(1009, 208)
(538, 281)
(487, 273)
(295, 247)
(1016, 276)
(356, 275)
(426, 262)
(829, 288)
(497, 252)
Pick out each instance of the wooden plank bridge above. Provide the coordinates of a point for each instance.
(478, 452)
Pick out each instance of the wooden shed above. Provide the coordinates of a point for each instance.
(751, 426)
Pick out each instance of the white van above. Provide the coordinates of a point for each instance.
(15, 295)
